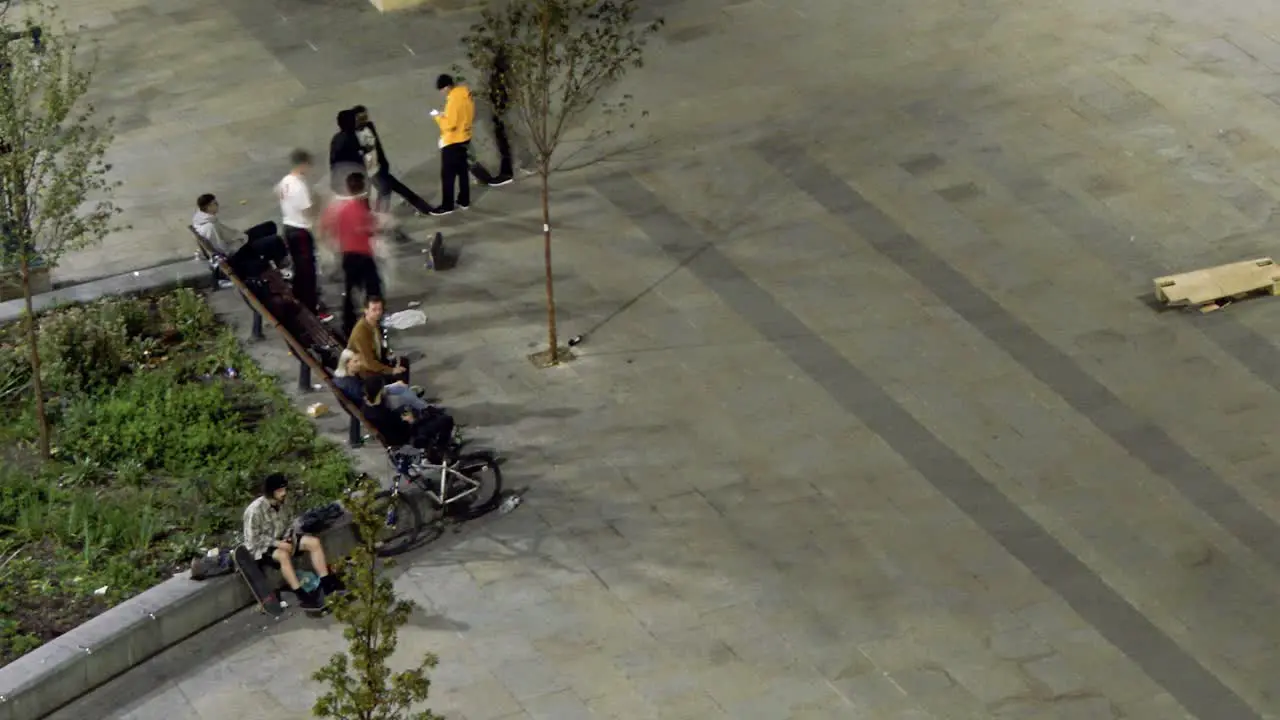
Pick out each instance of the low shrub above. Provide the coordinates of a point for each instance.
(163, 429)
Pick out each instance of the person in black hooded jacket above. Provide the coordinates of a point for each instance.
(345, 155)
(379, 168)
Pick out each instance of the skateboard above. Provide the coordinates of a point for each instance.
(317, 612)
(268, 599)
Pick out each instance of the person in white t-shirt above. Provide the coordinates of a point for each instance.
(298, 211)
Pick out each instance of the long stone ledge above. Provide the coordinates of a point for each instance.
(184, 273)
(60, 671)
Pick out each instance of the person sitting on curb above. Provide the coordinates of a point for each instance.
(269, 538)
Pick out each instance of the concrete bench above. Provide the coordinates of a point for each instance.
(70, 666)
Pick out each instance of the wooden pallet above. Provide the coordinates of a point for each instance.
(1215, 286)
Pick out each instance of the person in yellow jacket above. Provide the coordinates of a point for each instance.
(455, 143)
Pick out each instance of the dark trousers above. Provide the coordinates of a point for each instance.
(354, 430)
(386, 184)
(453, 169)
(358, 271)
(255, 331)
(505, 170)
(302, 248)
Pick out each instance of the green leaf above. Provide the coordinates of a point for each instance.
(360, 684)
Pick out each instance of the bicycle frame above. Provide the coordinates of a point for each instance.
(439, 489)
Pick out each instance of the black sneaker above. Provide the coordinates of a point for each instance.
(441, 211)
(309, 599)
(332, 585)
(464, 206)
(501, 180)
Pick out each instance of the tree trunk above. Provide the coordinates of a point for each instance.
(553, 353)
(42, 419)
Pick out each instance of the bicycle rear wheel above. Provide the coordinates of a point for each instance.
(483, 469)
(401, 523)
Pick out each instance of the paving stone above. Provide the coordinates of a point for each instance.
(1055, 673)
(798, 449)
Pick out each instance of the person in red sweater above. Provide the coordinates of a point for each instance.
(350, 225)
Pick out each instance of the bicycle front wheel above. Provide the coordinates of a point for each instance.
(400, 523)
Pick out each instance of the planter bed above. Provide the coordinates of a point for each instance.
(162, 429)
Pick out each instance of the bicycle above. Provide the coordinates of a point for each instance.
(456, 487)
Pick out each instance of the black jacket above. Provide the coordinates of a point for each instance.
(344, 148)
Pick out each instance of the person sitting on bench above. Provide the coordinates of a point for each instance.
(429, 428)
(269, 538)
(224, 240)
(365, 341)
(396, 395)
(346, 377)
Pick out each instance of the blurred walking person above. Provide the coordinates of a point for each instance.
(297, 215)
(350, 224)
(455, 143)
(379, 169)
(345, 154)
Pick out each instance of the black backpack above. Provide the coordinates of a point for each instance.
(203, 568)
(433, 433)
(319, 519)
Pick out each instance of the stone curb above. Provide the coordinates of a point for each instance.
(60, 671)
(184, 273)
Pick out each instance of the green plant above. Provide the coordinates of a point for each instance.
(54, 192)
(154, 462)
(551, 60)
(361, 684)
(187, 313)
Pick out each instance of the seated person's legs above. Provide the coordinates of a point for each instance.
(398, 396)
(395, 430)
(282, 557)
(433, 433)
(311, 545)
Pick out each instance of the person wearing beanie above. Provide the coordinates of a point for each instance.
(269, 538)
(455, 143)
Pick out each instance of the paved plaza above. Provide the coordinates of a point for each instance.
(874, 418)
